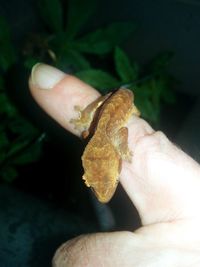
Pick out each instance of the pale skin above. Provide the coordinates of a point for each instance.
(161, 181)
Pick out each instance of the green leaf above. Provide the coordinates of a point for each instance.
(94, 43)
(98, 79)
(165, 82)
(67, 56)
(105, 39)
(23, 128)
(79, 12)
(31, 154)
(169, 96)
(72, 58)
(149, 112)
(144, 102)
(9, 174)
(29, 62)
(118, 32)
(51, 13)
(123, 66)
(161, 61)
(4, 30)
(150, 93)
(7, 54)
(17, 146)
(6, 107)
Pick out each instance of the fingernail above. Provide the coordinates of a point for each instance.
(45, 76)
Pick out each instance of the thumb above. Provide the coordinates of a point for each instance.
(172, 248)
(98, 249)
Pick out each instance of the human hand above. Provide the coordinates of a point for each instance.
(162, 182)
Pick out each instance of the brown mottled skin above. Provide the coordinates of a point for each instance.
(109, 144)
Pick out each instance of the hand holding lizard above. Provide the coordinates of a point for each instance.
(162, 182)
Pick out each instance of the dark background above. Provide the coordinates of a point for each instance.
(34, 215)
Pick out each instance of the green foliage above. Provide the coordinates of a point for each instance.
(103, 40)
(19, 143)
(98, 79)
(71, 58)
(68, 46)
(9, 173)
(150, 91)
(127, 71)
(161, 61)
(147, 99)
(7, 55)
(51, 13)
(89, 57)
(79, 13)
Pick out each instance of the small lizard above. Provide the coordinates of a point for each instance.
(108, 145)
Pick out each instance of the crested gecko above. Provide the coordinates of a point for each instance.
(104, 121)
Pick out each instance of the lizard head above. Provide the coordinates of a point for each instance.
(104, 193)
(103, 180)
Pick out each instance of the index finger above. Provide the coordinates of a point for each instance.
(58, 93)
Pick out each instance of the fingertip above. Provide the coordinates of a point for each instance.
(58, 93)
(45, 77)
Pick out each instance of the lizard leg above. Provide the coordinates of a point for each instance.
(135, 111)
(86, 115)
(120, 141)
